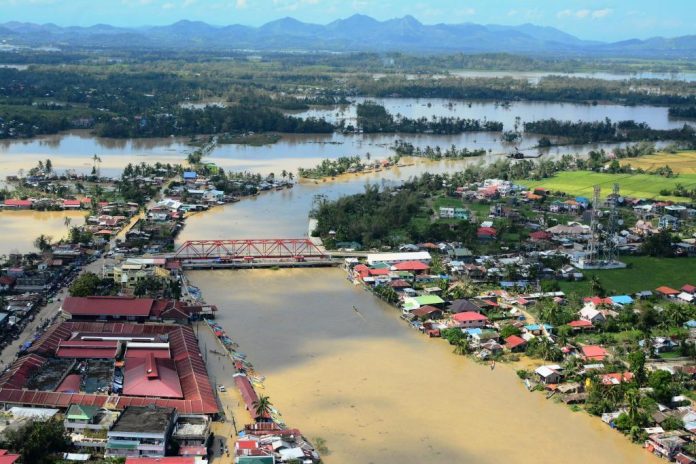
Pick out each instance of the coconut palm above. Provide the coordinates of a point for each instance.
(67, 221)
(262, 406)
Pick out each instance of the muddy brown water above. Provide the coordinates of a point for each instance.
(379, 392)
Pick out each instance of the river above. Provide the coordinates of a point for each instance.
(379, 392)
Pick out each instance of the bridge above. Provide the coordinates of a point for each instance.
(249, 253)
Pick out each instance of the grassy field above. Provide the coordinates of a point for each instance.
(682, 162)
(643, 273)
(632, 185)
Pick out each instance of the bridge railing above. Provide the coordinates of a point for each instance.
(249, 249)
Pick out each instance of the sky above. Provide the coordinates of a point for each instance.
(588, 19)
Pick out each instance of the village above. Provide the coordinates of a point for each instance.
(628, 357)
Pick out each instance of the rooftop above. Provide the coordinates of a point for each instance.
(143, 419)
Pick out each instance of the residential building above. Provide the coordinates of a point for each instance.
(141, 431)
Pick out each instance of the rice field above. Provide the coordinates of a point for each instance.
(581, 183)
(682, 162)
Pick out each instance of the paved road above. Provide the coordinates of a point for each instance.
(9, 354)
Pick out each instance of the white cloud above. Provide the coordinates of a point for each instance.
(584, 13)
(241, 4)
(603, 13)
(466, 12)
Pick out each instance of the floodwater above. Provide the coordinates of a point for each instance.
(73, 151)
(379, 392)
(655, 116)
(534, 77)
(18, 229)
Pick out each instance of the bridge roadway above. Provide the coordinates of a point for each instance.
(257, 253)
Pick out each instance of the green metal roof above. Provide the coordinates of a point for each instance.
(255, 460)
(79, 412)
(122, 444)
(428, 300)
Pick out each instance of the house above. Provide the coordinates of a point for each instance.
(591, 314)
(666, 444)
(539, 235)
(689, 289)
(393, 258)
(486, 233)
(190, 176)
(416, 302)
(616, 378)
(470, 319)
(549, 374)
(621, 300)
(460, 306)
(192, 433)
(427, 312)
(417, 267)
(667, 292)
(581, 324)
(15, 203)
(515, 343)
(141, 431)
(668, 222)
(594, 353)
(167, 460)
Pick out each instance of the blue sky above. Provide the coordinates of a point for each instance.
(588, 19)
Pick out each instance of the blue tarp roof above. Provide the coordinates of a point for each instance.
(473, 331)
(190, 175)
(621, 299)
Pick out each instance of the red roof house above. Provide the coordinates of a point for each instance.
(581, 324)
(486, 232)
(667, 291)
(470, 319)
(617, 378)
(411, 266)
(539, 235)
(594, 353)
(169, 460)
(688, 289)
(8, 458)
(17, 203)
(151, 376)
(514, 342)
(427, 310)
(72, 204)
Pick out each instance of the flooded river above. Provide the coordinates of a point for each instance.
(18, 229)
(379, 392)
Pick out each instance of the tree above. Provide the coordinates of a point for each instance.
(85, 285)
(262, 406)
(66, 221)
(509, 330)
(48, 166)
(38, 442)
(659, 245)
(596, 286)
(661, 383)
(43, 242)
(636, 362)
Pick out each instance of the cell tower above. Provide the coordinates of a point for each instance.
(595, 226)
(609, 248)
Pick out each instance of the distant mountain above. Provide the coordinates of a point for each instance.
(356, 33)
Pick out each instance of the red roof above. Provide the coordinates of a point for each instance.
(514, 341)
(689, 288)
(15, 202)
(597, 300)
(424, 310)
(193, 450)
(399, 283)
(594, 352)
(487, 231)
(580, 324)
(86, 349)
(72, 203)
(375, 272)
(198, 395)
(7, 458)
(411, 266)
(71, 384)
(469, 316)
(108, 306)
(667, 290)
(246, 444)
(540, 235)
(150, 376)
(617, 378)
(171, 460)
(7, 280)
(248, 393)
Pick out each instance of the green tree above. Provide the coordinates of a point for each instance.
(508, 330)
(636, 362)
(85, 285)
(662, 388)
(262, 406)
(43, 242)
(38, 442)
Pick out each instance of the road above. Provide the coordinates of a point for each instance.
(9, 354)
(220, 370)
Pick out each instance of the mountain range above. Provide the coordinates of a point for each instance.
(356, 33)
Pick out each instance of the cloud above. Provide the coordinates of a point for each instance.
(584, 13)
(241, 4)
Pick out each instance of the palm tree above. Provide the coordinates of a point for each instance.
(462, 347)
(284, 174)
(67, 221)
(262, 406)
(596, 285)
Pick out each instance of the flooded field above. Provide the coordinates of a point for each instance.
(656, 117)
(378, 392)
(18, 229)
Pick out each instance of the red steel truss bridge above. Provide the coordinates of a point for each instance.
(246, 250)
